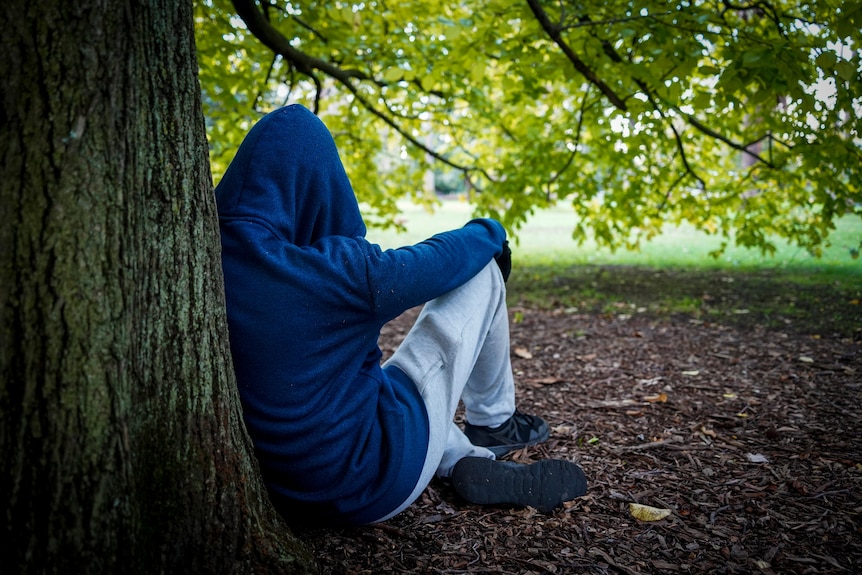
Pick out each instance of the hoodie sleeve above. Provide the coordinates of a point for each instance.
(340, 280)
(409, 276)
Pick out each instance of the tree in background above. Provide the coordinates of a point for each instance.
(740, 117)
(121, 436)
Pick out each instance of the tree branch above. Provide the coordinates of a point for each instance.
(713, 134)
(653, 98)
(274, 40)
(266, 80)
(574, 153)
(583, 23)
(670, 189)
(683, 156)
(306, 64)
(553, 32)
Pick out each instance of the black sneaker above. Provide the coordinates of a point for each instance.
(517, 432)
(543, 485)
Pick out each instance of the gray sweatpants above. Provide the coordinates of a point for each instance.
(458, 349)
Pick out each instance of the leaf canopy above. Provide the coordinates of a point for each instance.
(742, 118)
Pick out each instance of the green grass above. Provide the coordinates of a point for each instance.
(672, 275)
(546, 239)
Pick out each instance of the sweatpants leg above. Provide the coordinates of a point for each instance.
(458, 349)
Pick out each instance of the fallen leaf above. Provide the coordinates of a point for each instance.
(588, 357)
(523, 352)
(756, 458)
(545, 380)
(659, 398)
(647, 513)
(797, 486)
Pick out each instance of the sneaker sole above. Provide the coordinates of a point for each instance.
(544, 485)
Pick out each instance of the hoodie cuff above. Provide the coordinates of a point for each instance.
(495, 229)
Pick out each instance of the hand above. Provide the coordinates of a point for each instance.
(504, 260)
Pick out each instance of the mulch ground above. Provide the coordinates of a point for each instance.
(750, 437)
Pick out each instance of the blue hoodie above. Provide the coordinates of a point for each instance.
(337, 437)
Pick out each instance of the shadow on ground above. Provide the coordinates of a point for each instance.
(797, 301)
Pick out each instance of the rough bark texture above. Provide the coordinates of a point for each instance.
(120, 429)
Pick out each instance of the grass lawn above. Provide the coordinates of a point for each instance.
(546, 239)
(672, 274)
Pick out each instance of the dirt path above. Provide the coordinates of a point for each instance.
(751, 438)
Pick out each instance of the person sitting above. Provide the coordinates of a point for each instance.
(338, 436)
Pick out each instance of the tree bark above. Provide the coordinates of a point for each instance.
(121, 434)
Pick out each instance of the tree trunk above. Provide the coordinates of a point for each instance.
(121, 437)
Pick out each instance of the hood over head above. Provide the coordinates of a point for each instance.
(287, 172)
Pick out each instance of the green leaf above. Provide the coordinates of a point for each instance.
(477, 71)
(393, 75)
(846, 70)
(633, 123)
(826, 60)
(428, 82)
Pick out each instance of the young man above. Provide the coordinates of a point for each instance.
(339, 437)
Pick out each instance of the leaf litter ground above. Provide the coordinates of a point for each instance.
(750, 436)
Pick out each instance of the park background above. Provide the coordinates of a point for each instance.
(722, 391)
(685, 300)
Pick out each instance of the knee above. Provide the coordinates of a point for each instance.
(493, 277)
